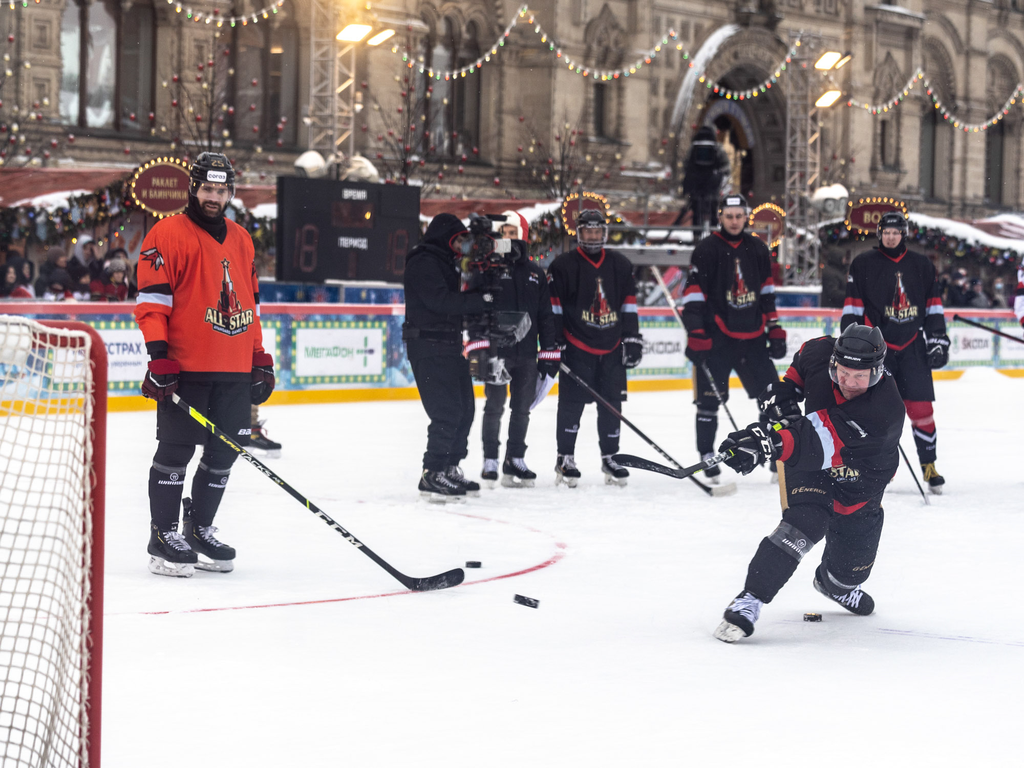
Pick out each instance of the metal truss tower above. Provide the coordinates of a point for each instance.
(332, 91)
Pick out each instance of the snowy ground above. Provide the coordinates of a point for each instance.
(325, 662)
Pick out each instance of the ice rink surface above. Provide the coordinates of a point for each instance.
(309, 654)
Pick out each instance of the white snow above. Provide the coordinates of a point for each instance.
(53, 201)
(327, 662)
(964, 231)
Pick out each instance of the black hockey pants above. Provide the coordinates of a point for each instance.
(524, 388)
(446, 391)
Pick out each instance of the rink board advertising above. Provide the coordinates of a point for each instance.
(341, 230)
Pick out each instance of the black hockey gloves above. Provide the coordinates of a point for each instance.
(776, 342)
(548, 361)
(632, 351)
(751, 447)
(937, 350)
(161, 380)
(698, 346)
(779, 401)
(262, 378)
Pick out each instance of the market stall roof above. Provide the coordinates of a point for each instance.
(1005, 231)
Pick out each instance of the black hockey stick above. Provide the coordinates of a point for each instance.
(724, 490)
(914, 475)
(636, 462)
(442, 581)
(990, 330)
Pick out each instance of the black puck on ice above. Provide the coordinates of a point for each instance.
(529, 602)
(812, 617)
(472, 563)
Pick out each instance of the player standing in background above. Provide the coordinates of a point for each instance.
(199, 310)
(523, 289)
(259, 438)
(1018, 296)
(834, 465)
(593, 297)
(897, 291)
(730, 318)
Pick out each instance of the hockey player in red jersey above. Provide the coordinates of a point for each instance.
(199, 311)
(834, 462)
(897, 291)
(730, 318)
(1018, 296)
(593, 297)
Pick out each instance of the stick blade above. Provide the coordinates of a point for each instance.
(445, 580)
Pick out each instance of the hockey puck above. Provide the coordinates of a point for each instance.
(812, 617)
(529, 602)
(472, 563)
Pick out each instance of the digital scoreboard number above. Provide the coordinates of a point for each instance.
(342, 230)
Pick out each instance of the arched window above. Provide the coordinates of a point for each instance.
(250, 82)
(283, 84)
(467, 94)
(936, 139)
(266, 64)
(999, 159)
(107, 61)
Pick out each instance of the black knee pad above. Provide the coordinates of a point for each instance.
(176, 455)
(218, 456)
(791, 540)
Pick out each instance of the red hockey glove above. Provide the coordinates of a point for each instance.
(698, 346)
(161, 379)
(776, 342)
(262, 378)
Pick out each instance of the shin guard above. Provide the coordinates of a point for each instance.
(207, 490)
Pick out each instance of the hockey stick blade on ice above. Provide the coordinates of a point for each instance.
(636, 462)
(724, 490)
(450, 578)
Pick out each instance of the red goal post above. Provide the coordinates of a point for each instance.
(53, 414)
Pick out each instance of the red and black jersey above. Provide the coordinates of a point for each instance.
(593, 298)
(199, 300)
(1018, 296)
(870, 423)
(730, 287)
(899, 295)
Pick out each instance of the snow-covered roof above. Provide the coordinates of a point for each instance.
(969, 233)
(53, 201)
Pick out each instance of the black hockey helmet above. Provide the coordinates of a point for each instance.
(860, 347)
(892, 220)
(733, 200)
(591, 219)
(211, 167)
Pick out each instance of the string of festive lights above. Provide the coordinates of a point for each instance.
(892, 103)
(209, 17)
(757, 90)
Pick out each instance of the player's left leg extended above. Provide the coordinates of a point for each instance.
(851, 544)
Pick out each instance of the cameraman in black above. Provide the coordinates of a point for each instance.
(434, 311)
(707, 167)
(524, 288)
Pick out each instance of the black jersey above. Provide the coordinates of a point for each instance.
(870, 425)
(898, 295)
(593, 298)
(1018, 296)
(730, 287)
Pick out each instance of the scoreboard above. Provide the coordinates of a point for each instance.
(344, 230)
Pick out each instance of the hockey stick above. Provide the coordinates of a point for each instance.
(724, 490)
(703, 365)
(914, 475)
(442, 581)
(990, 330)
(636, 462)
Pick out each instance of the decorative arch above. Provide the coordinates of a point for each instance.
(1008, 45)
(605, 40)
(888, 79)
(938, 68)
(951, 32)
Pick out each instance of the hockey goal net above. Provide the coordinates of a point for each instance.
(53, 381)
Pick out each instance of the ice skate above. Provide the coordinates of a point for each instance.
(212, 555)
(259, 440)
(856, 601)
(614, 473)
(515, 474)
(437, 488)
(490, 473)
(170, 554)
(565, 471)
(933, 478)
(711, 474)
(739, 618)
(471, 487)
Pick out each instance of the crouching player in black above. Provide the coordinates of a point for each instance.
(834, 464)
(593, 296)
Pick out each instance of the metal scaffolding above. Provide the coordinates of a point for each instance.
(332, 91)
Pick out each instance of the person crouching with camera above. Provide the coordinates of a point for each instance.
(434, 311)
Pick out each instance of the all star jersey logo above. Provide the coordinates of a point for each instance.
(228, 317)
(599, 314)
(900, 310)
(740, 295)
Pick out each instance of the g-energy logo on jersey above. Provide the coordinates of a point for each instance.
(599, 314)
(901, 310)
(229, 317)
(739, 296)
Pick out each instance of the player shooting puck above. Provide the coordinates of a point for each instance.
(812, 617)
(472, 563)
(529, 602)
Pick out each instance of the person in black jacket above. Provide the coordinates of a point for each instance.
(524, 289)
(834, 464)
(707, 167)
(434, 311)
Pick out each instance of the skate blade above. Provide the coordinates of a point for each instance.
(214, 566)
(491, 484)
(724, 490)
(511, 481)
(162, 567)
(619, 481)
(935, 490)
(474, 494)
(728, 633)
(440, 498)
(274, 453)
(567, 481)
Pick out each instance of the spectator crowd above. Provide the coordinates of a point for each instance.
(82, 276)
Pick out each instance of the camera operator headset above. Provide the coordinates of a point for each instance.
(435, 307)
(524, 288)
